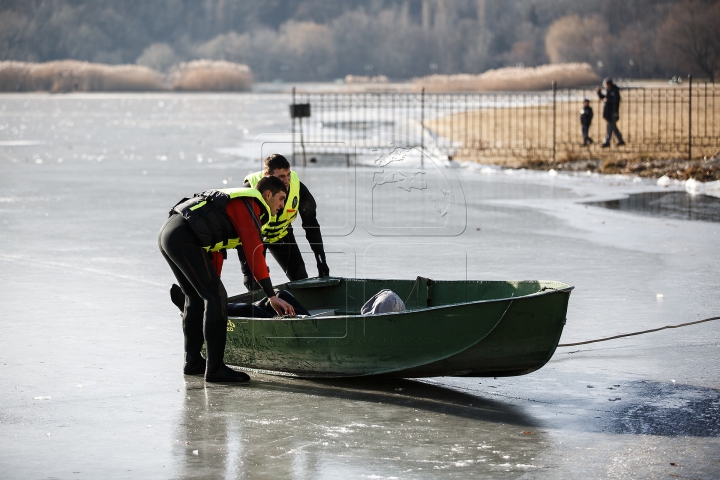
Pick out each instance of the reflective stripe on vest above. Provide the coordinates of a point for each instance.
(278, 225)
(206, 215)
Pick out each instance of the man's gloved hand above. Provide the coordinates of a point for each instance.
(323, 269)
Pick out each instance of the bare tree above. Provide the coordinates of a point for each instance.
(159, 56)
(690, 36)
(12, 32)
(321, 40)
(576, 39)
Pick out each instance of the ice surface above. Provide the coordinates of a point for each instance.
(85, 304)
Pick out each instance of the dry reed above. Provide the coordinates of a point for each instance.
(76, 76)
(362, 79)
(209, 75)
(73, 75)
(512, 79)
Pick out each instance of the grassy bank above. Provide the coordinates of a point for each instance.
(74, 76)
(654, 126)
(702, 169)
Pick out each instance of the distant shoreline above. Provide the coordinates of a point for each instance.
(319, 87)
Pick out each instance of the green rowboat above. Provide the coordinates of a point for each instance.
(450, 328)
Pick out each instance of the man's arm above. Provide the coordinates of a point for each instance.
(308, 214)
(248, 278)
(250, 236)
(252, 244)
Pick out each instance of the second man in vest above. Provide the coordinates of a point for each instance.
(278, 232)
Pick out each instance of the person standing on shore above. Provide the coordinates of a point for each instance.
(209, 222)
(586, 116)
(278, 232)
(611, 111)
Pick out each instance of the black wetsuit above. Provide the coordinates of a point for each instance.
(205, 309)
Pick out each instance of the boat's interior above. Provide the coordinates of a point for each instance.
(346, 296)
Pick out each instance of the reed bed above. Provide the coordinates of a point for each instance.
(512, 79)
(75, 76)
(209, 75)
(363, 79)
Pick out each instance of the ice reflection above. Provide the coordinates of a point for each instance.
(341, 428)
(680, 205)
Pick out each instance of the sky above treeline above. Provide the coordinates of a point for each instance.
(301, 40)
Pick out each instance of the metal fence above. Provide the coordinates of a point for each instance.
(680, 121)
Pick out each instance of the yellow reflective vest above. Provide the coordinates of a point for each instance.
(206, 215)
(277, 227)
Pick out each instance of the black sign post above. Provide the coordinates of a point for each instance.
(299, 111)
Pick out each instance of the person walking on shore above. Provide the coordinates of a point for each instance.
(586, 116)
(611, 111)
(209, 222)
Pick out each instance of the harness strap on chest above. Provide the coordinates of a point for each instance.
(253, 216)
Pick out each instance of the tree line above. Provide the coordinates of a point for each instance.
(306, 40)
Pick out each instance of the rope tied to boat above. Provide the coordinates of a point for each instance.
(638, 333)
(417, 282)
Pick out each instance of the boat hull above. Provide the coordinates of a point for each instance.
(437, 336)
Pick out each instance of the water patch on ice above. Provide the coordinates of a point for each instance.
(678, 205)
(669, 409)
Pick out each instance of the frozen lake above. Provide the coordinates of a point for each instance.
(91, 353)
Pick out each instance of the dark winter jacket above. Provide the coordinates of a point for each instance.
(611, 109)
(586, 115)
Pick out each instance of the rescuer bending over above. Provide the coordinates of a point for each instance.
(209, 222)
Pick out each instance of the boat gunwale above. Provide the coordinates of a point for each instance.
(548, 291)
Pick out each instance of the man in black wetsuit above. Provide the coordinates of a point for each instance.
(212, 221)
(278, 232)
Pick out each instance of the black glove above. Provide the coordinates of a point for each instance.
(323, 269)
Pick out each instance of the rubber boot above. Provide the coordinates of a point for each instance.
(215, 338)
(195, 364)
(194, 339)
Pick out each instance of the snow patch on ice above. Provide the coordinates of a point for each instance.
(694, 187)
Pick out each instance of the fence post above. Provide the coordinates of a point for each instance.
(690, 117)
(554, 94)
(422, 127)
(293, 129)
(302, 144)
